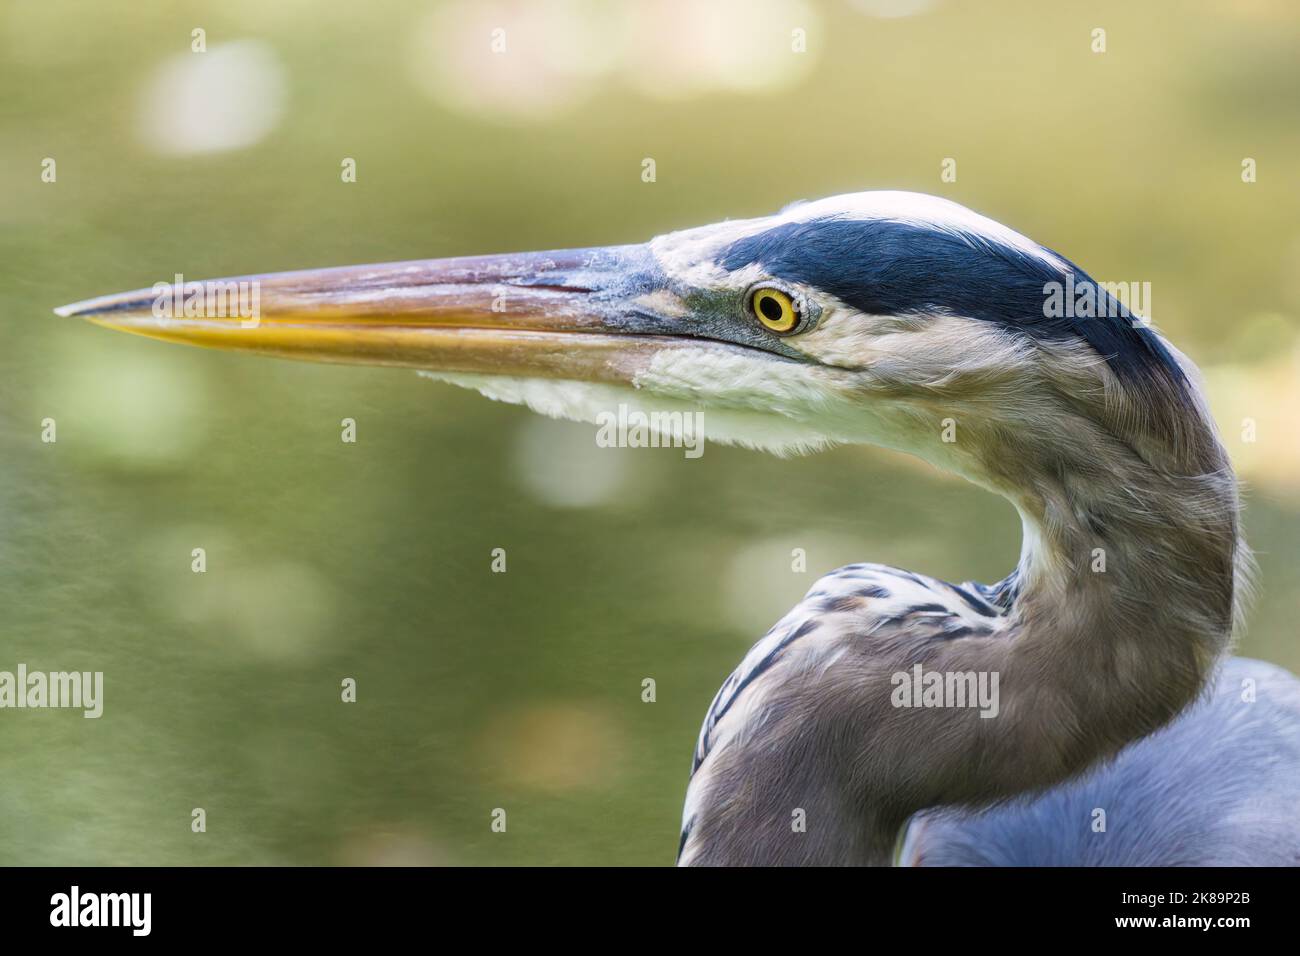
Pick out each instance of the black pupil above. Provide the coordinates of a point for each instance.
(771, 308)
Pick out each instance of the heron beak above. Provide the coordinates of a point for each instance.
(581, 314)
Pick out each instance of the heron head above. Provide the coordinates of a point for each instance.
(891, 318)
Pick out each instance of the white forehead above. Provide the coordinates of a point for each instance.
(688, 255)
(917, 208)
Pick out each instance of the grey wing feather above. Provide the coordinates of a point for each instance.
(1218, 786)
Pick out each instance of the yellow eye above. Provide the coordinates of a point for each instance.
(774, 309)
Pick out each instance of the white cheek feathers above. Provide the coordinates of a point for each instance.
(753, 409)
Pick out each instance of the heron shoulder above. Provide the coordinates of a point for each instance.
(845, 610)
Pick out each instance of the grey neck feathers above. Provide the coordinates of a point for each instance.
(1122, 604)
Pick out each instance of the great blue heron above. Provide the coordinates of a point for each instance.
(910, 322)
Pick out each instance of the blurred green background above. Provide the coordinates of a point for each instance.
(328, 560)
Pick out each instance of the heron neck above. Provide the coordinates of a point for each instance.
(1121, 603)
(1120, 607)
